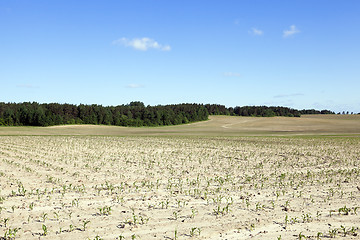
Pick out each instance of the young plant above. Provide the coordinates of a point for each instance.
(45, 230)
(11, 233)
(301, 236)
(31, 206)
(175, 214)
(44, 216)
(193, 212)
(85, 223)
(195, 230)
(105, 210)
(175, 234)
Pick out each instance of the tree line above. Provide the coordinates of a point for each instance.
(133, 114)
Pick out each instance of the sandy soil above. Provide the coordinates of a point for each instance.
(79, 187)
(215, 126)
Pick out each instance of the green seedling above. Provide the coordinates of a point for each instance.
(11, 233)
(175, 214)
(344, 210)
(333, 232)
(105, 210)
(85, 223)
(56, 216)
(175, 234)
(355, 210)
(45, 230)
(31, 206)
(6, 220)
(319, 234)
(286, 220)
(97, 237)
(44, 216)
(344, 230)
(195, 230)
(301, 236)
(193, 212)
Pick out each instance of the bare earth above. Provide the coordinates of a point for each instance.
(215, 126)
(207, 180)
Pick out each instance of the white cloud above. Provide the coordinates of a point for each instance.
(232, 74)
(293, 30)
(257, 32)
(142, 44)
(26, 86)
(288, 95)
(134, 85)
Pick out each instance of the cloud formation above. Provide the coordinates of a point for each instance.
(26, 86)
(257, 32)
(288, 95)
(232, 74)
(293, 30)
(142, 44)
(134, 85)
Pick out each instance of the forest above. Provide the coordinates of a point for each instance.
(134, 114)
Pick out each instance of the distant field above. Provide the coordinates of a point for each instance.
(217, 188)
(215, 126)
(214, 180)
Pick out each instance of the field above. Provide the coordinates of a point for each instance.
(226, 178)
(215, 126)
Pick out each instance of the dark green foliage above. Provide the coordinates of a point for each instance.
(313, 111)
(134, 114)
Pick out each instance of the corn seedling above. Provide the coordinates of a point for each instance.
(56, 216)
(195, 230)
(344, 230)
(333, 232)
(286, 220)
(175, 214)
(44, 216)
(97, 237)
(105, 210)
(71, 228)
(84, 224)
(353, 231)
(45, 230)
(193, 212)
(11, 233)
(301, 236)
(175, 234)
(6, 220)
(344, 210)
(31, 206)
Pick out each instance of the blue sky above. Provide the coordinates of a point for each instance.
(299, 53)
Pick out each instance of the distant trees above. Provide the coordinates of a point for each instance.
(133, 114)
(264, 111)
(313, 111)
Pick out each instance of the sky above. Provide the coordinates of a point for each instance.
(302, 54)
